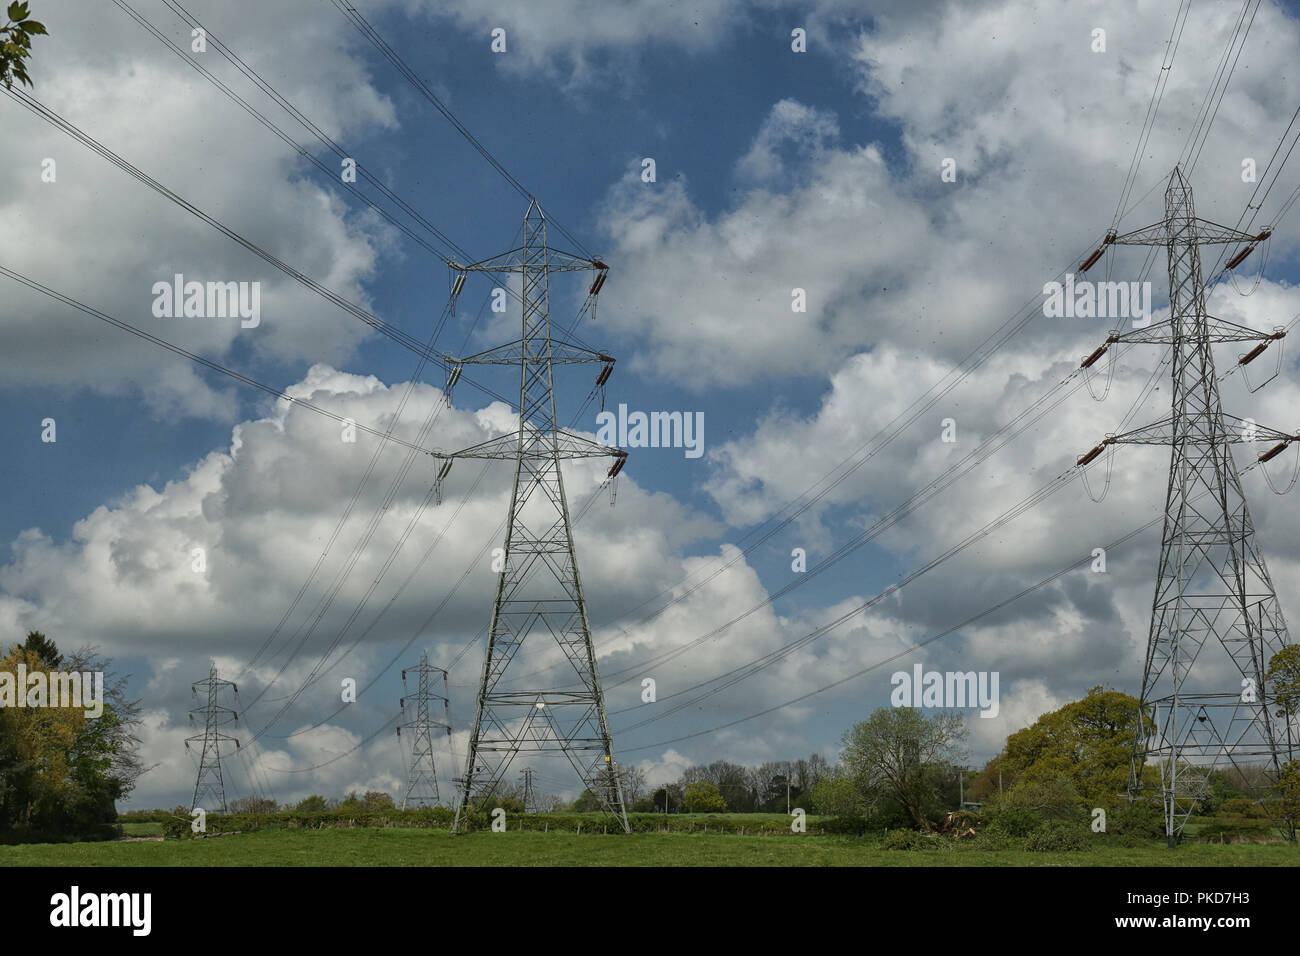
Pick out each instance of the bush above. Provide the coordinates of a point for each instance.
(846, 826)
(1243, 807)
(1057, 835)
(1012, 821)
(911, 840)
(1235, 829)
(1138, 820)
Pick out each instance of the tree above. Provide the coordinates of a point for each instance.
(1051, 797)
(666, 799)
(15, 44)
(44, 648)
(1288, 785)
(313, 804)
(703, 797)
(62, 772)
(1283, 678)
(1088, 742)
(587, 802)
(837, 795)
(633, 782)
(732, 780)
(905, 755)
(378, 800)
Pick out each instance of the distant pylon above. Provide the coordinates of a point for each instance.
(209, 783)
(1215, 620)
(530, 799)
(422, 778)
(538, 585)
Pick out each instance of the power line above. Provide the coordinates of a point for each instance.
(396, 334)
(368, 31)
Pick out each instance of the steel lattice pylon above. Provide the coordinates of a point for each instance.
(539, 589)
(530, 797)
(422, 777)
(1215, 619)
(209, 781)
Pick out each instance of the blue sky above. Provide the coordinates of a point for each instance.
(775, 170)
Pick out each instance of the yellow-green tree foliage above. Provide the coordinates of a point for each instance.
(56, 765)
(703, 798)
(1087, 743)
(38, 745)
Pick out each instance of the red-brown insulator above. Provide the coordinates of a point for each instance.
(1274, 451)
(1239, 257)
(1092, 259)
(1268, 231)
(1088, 362)
(616, 468)
(600, 281)
(598, 264)
(604, 374)
(1091, 455)
(1252, 354)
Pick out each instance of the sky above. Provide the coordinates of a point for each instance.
(775, 170)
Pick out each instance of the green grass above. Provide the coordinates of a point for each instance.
(431, 847)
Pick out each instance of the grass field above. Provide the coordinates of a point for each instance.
(391, 846)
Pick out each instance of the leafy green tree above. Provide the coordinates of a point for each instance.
(62, 772)
(351, 803)
(1088, 743)
(378, 800)
(587, 802)
(1288, 786)
(1283, 679)
(15, 44)
(703, 797)
(836, 794)
(900, 753)
(313, 804)
(1048, 796)
(666, 799)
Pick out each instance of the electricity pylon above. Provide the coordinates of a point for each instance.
(530, 798)
(539, 589)
(209, 782)
(422, 778)
(1215, 619)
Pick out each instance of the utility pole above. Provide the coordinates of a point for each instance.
(538, 585)
(209, 785)
(1215, 619)
(422, 776)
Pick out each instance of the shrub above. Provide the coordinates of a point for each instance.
(1056, 835)
(847, 825)
(911, 840)
(1137, 820)
(1243, 807)
(1012, 821)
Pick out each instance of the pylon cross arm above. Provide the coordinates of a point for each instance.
(536, 445)
(558, 352)
(1207, 232)
(523, 257)
(1236, 431)
(1166, 332)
